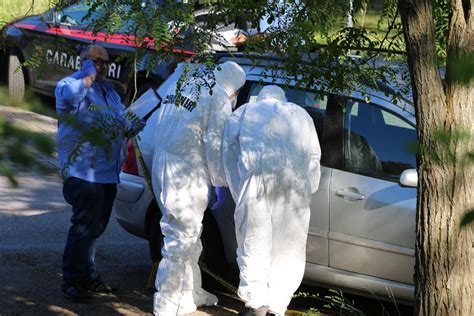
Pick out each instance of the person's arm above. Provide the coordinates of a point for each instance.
(220, 108)
(70, 91)
(231, 151)
(314, 151)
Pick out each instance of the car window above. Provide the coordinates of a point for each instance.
(315, 105)
(377, 142)
(74, 14)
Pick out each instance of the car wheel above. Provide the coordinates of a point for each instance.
(16, 80)
(155, 237)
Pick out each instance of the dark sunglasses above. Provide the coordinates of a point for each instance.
(101, 62)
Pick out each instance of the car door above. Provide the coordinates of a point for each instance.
(372, 218)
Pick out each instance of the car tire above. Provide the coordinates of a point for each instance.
(155, 237)
(16, 80)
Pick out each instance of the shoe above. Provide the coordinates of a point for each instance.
(75, 293)
(165, 307)
(249, 311)
(98, 286)
(204, 298)
(194, 299)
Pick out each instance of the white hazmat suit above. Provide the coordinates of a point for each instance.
(271, 156)
(186, 162)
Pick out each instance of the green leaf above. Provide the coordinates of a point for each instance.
(468, 218)
(462, 69)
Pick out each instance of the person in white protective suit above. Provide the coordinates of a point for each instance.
(187, 160)
(271, 156)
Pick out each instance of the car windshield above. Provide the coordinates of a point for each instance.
(76, 15)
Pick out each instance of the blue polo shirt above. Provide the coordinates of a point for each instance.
(88, 108)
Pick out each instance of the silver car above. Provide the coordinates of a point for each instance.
(362, 229)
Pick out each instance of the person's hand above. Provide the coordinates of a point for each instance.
(88, 68)
(139, 125)
(220, 197)
(88, 72)
(134, 127)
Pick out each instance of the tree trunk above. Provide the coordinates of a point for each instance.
(444, 268)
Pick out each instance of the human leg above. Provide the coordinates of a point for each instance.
(182, 204)
(254, 243)
(95, 282)
(291, 222)
(200, 296)
(91, 207)
(175, 277)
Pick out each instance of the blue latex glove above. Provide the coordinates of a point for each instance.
(220, 197)
(140, 125)
(134, 127)
(88, 68)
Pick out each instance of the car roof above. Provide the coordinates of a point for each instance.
(384, 96)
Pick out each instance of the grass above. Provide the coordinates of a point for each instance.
(370, 23)
(11, 9)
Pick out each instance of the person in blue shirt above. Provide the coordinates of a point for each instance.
(92, 130)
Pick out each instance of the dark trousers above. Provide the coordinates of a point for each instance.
(91, 208)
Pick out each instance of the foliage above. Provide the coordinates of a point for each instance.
(12, 9)
(448, 155)
(334, 302)
(468, 218)
(297, 30)
(106, 131)
(441, 25)
(462, 68)
(20, 150)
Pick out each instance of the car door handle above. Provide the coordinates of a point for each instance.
(349, 194)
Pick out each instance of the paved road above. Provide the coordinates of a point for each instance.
(33, 225)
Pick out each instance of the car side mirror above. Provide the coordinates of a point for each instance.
(409, 178)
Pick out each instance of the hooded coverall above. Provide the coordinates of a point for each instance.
(186, 162)
(271, 156)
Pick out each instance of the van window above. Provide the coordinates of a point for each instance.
(377, 142)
